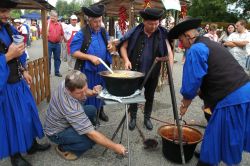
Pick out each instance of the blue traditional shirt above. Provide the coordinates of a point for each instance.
(196, 67)
(96, 48)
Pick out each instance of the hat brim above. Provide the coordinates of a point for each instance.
(8, 4)
(91, 13)
(184, 26)
(147, 16)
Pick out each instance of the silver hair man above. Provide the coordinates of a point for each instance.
(75, 80)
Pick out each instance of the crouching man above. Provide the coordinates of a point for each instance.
(69, 122)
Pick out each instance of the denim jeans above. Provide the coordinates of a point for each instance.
(54, 48)
(71, 141)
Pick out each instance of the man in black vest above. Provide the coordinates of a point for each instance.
(87, 46)
(211, 70)
(139, 48)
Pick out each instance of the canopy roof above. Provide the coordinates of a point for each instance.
(33, 4)
(112, 6)
(33, 15)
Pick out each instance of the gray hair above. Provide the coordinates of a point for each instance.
(53, 13)
(75, 80)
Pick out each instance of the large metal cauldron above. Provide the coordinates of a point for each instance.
(170, 144)
(124, 85)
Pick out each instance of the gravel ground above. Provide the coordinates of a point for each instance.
(139, 156)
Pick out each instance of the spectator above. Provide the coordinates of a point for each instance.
(70, 32)
(239, 43)
(229, 30)
(212, 33)
(55, 37)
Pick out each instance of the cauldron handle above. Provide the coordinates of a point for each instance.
(148, 74)
(175, 140)
(175, 111)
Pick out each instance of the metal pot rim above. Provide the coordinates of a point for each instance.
(184, 127)
(136, 74)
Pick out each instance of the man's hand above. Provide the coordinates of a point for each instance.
(127, 65)
(110, 47)
(14, 51)
(229, 44)
(97, 89)
(95, 60)
(184, 106)
(27, 77)
(120, 149)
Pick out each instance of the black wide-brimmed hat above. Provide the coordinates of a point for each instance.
(94, 10)
(7, 4)
(151, 14)
(182, 27)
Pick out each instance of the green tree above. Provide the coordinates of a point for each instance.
(86, 2)
(61, 7)
(212, 10)
(245, 6)
(217, 10)
(15, 13)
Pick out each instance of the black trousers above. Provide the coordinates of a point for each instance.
(149, 92)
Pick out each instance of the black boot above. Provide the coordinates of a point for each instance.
(147, 115)
(133, 111)
(132, 124)
(18, 160)
(103, 116)
(148, 123)
(38, 147)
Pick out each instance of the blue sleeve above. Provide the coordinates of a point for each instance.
(4, 71)
(23, 59)
(107, 36)
(195, 68)
(77, 42)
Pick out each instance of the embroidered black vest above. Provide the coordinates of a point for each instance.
(224, 74)
(138, 46)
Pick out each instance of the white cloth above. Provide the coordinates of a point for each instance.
(23, 30)
(245, 36)
(106, 95)
(239, 53)
(70, 31)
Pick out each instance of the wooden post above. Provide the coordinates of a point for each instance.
(111, 26)
(45, 53)
(131, 14)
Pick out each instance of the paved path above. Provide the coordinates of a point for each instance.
(140, 156)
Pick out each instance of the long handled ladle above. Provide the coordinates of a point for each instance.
(105, 65)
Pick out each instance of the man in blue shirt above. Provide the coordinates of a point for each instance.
(211, 70)
(98, 48)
